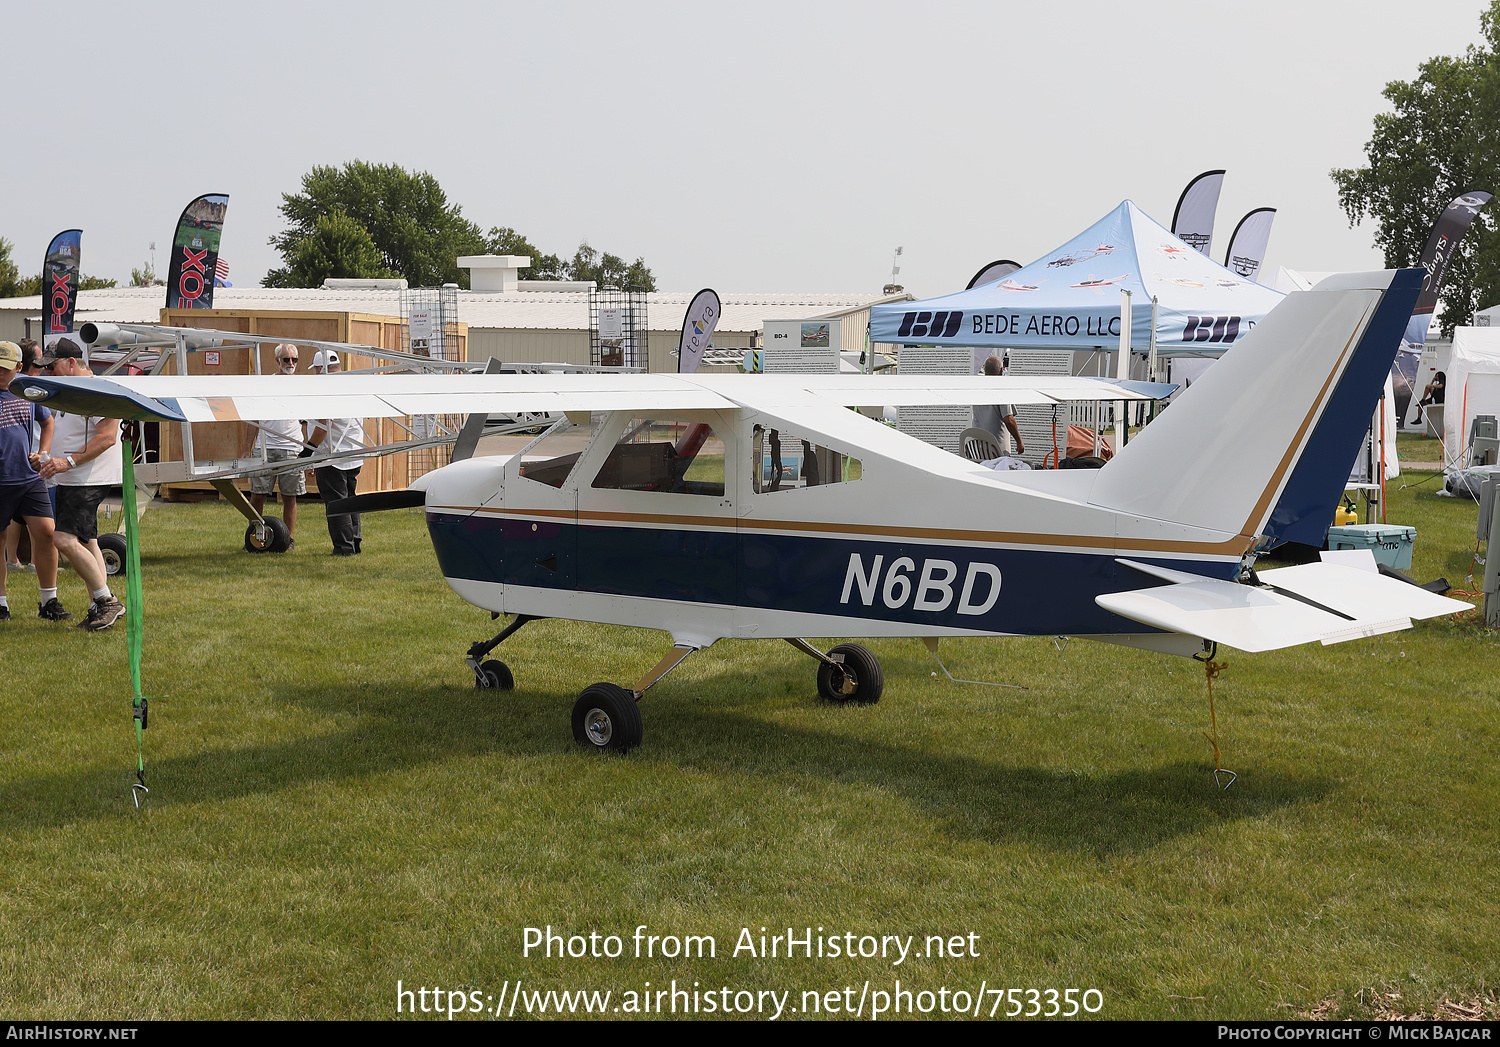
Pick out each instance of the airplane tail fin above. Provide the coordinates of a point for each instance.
(1262, 444)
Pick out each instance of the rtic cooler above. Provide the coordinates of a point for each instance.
(1391, 543)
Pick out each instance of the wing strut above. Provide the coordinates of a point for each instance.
(468, 437)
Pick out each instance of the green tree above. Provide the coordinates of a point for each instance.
(10, 275)
(338, 246)
(406, 216)
(145, 276)
(504, 240)
(1443, 137)
(409, 229)
(608, 270)
(14, 285)
(33, 284)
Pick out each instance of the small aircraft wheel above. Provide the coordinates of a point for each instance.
(494, 675)
(859, 679)
(113, 547)
(606, 717)
(277, 540)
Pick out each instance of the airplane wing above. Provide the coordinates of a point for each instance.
(229, 398)
(873, 390)
(1326, 602)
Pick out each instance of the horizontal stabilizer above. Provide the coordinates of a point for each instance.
(1325, 602)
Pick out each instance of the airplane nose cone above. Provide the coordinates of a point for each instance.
(462, 486)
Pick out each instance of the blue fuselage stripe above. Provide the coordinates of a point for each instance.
(1040, 592)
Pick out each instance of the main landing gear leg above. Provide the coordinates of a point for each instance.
(494, 675)
(607, 717)
(266, 534)
(849, 673)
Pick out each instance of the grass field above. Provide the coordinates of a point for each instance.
(334, 808)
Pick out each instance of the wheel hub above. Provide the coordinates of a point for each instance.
(599, 727)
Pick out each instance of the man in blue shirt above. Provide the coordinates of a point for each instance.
(23, 493)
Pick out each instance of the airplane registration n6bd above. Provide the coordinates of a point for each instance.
(751, 506)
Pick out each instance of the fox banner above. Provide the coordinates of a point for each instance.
(1247, 247)
(195, 253)
(1193, 221)
(1447, 232)
(697, 330)
(60, 284)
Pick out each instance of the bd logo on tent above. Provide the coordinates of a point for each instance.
(930, 325)
(1212, 329)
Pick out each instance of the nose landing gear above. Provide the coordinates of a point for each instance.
(494, 675)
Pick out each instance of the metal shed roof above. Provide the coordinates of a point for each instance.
(535, 310)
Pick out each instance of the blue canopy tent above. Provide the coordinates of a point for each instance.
(1069, 298)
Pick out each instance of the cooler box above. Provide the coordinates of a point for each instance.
(1391, 543)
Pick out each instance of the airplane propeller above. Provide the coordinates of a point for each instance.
(376, 501)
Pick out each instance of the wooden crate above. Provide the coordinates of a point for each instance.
(229, 439)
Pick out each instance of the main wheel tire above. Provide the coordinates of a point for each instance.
(277, 540)
(496, 676)
(113, 547)
(606, 717)
(858, 680)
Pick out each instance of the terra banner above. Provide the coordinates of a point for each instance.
(697, 329)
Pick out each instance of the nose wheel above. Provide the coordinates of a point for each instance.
(494, 675)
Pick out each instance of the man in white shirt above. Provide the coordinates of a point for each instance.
(282, 440)
(1000, 419)
(339, 477)
(86, 463)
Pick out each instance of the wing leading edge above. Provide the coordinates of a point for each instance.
(221, 398)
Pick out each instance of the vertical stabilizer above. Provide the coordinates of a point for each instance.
(1262, 443)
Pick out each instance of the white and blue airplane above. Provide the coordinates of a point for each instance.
(713, 507)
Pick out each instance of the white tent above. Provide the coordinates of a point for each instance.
(1473, 387)
(1288, 280)
(1070, 298)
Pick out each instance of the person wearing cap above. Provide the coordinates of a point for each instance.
(86, 464)
(281, 441)
(30, 365)
(23, 493)
(338, 477)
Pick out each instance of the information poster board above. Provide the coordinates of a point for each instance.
(802, 346)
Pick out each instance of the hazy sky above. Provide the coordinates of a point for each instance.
(757, 147)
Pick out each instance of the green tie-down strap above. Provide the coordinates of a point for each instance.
(133, 610)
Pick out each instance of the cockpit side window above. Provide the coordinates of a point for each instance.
(665, 455)
(783, 460)
(551, 457)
